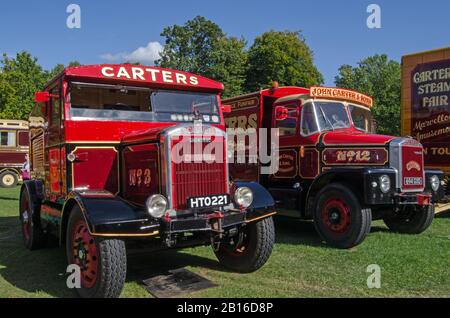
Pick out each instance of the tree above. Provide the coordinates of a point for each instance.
(59, 68)
(283, 57)
(201, 47)
(20, 78)
(379, 77)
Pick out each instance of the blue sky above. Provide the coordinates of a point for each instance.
(114, 30)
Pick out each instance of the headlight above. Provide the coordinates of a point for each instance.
(243, 196)
(156, 205)
(385, 183)
(435, 182)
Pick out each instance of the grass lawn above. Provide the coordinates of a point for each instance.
(300, 266)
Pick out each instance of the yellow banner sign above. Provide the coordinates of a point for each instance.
(342, 94)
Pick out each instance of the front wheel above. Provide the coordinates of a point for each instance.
(410, 220)
(339, 218)
(251, 250)
(102, 262)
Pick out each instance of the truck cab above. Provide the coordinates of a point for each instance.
(332, 167)
(126, 154)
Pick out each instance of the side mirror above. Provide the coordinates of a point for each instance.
(226, 108)
(43, 97)
(281, 113)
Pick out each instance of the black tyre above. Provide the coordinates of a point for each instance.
(410, 220)
(102, 262)
(339, 218)
(33, 235)
(8, 179)
(252, 250)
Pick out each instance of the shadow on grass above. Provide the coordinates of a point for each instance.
(8, 198)
(146, 265)
(31, 271)
(43, 271)
(295, 231)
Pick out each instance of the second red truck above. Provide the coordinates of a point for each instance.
(333, 168)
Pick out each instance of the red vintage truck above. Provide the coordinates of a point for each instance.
(332, 167)
(425, 108)
(13, 150)
(128, 156)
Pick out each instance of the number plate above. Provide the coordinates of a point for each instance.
(208, 201)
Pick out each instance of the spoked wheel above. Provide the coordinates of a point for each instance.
(8, 179)
(250, 249)
(85, 254)
(33, 236)
(339, 218)
(102, 262)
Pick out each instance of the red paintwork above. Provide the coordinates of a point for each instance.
(12, 158)
(103, 131)
(96, 168)
(127, 75)
(354, 137)
(96, 143)
(299, 155)
(140, 176)
(413, 165)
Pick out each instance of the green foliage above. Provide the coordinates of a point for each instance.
(20, 78)
(284, 57)
(201, 47)
(379, 77)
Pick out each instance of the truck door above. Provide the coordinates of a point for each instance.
(53, 144)
(286, 120)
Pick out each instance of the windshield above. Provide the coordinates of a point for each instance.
(361, 117)
(114, 102)
(330, 116)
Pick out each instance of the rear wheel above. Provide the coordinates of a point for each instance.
(102, 262)
(251, 250)
(339, 218)
(33, 235)
(8, 179)
(411, 219)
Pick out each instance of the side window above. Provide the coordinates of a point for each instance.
(309, 124)
(288, 126)
(55, 117)
(8, 139)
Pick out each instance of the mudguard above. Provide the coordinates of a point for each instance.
(108, 215)
(34, 188)
(263, 204)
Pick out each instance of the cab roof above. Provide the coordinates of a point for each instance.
(138, 75)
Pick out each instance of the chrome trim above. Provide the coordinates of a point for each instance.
(165, 139)
(396, 162)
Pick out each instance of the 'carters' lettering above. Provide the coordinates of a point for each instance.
(149, 74)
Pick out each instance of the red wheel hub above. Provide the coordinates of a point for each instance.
(336, 215)
(85, 254)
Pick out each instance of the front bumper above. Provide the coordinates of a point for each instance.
(215, 222)
(374, 196)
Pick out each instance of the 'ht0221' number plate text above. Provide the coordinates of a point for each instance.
(208, 201)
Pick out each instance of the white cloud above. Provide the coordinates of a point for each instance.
(145, 55)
